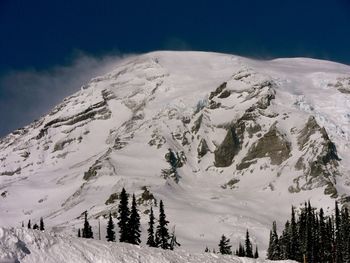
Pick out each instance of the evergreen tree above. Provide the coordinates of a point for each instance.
(330, 234)
(87, 231)
(207, 250)
(29, 224)
(241, 250)
(309, 234)
(35, 226)
(256, 254)
(124, 213)
(285, 242)
(150, 240)
(134, 224)
(79, 233)
(274, 252)
(22, 224)
(316, 239)
(162, 234)
(110, 229)
(224, 246)
(42, 228)
(338, 236)
(248, 246)
(345, 230)
(323, 239)
(294, 238)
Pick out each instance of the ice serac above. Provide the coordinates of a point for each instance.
(248, 139)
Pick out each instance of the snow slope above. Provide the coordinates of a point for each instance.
(254, 137)
(30, 246)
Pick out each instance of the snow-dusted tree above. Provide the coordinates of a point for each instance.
(134, 224)
(150, 240)
(79, 233)
(224, 246)
(123, 218)
(35, 226)
(29, 224)
(110, 229)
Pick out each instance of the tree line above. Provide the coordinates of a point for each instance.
(245, 250)
(40, 227)
(129, 226)
(312, 237)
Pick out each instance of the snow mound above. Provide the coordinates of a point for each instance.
(25, 245)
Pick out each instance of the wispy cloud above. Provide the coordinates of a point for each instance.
(27, 95)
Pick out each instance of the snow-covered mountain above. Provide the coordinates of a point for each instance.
(250, 138)
(30, 246)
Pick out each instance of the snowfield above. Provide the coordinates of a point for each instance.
(252, 138)
(31, 246)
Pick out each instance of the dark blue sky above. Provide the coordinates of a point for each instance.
(40, 35)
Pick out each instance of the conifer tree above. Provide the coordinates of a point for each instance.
(309, 234)
(150, 240)
(22, 224)
(224, 246)
(206, 249)
(110, 229)
(330, 234)
(35, 226)
(338, 236)
(256, 254)
(285, 242)
(241, 250)
(323, 239)
(124, 213)
(134, 224)
(162, 234)
(274, 252)
(87, 231)
(294, 238)
(79, 233)
(248, 246)
(29, 224)
(42, 228)
(345, 230)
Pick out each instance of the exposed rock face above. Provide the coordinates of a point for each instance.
(202, 148)
(96, 111)
(218, 91)
(342, 84)
(320, 159)
(197, 124)
(273, 144)
(92, 172)
(227, 149)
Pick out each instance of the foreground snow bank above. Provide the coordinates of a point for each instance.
(23, 245)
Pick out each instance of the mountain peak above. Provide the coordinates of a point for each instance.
(249, 137)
